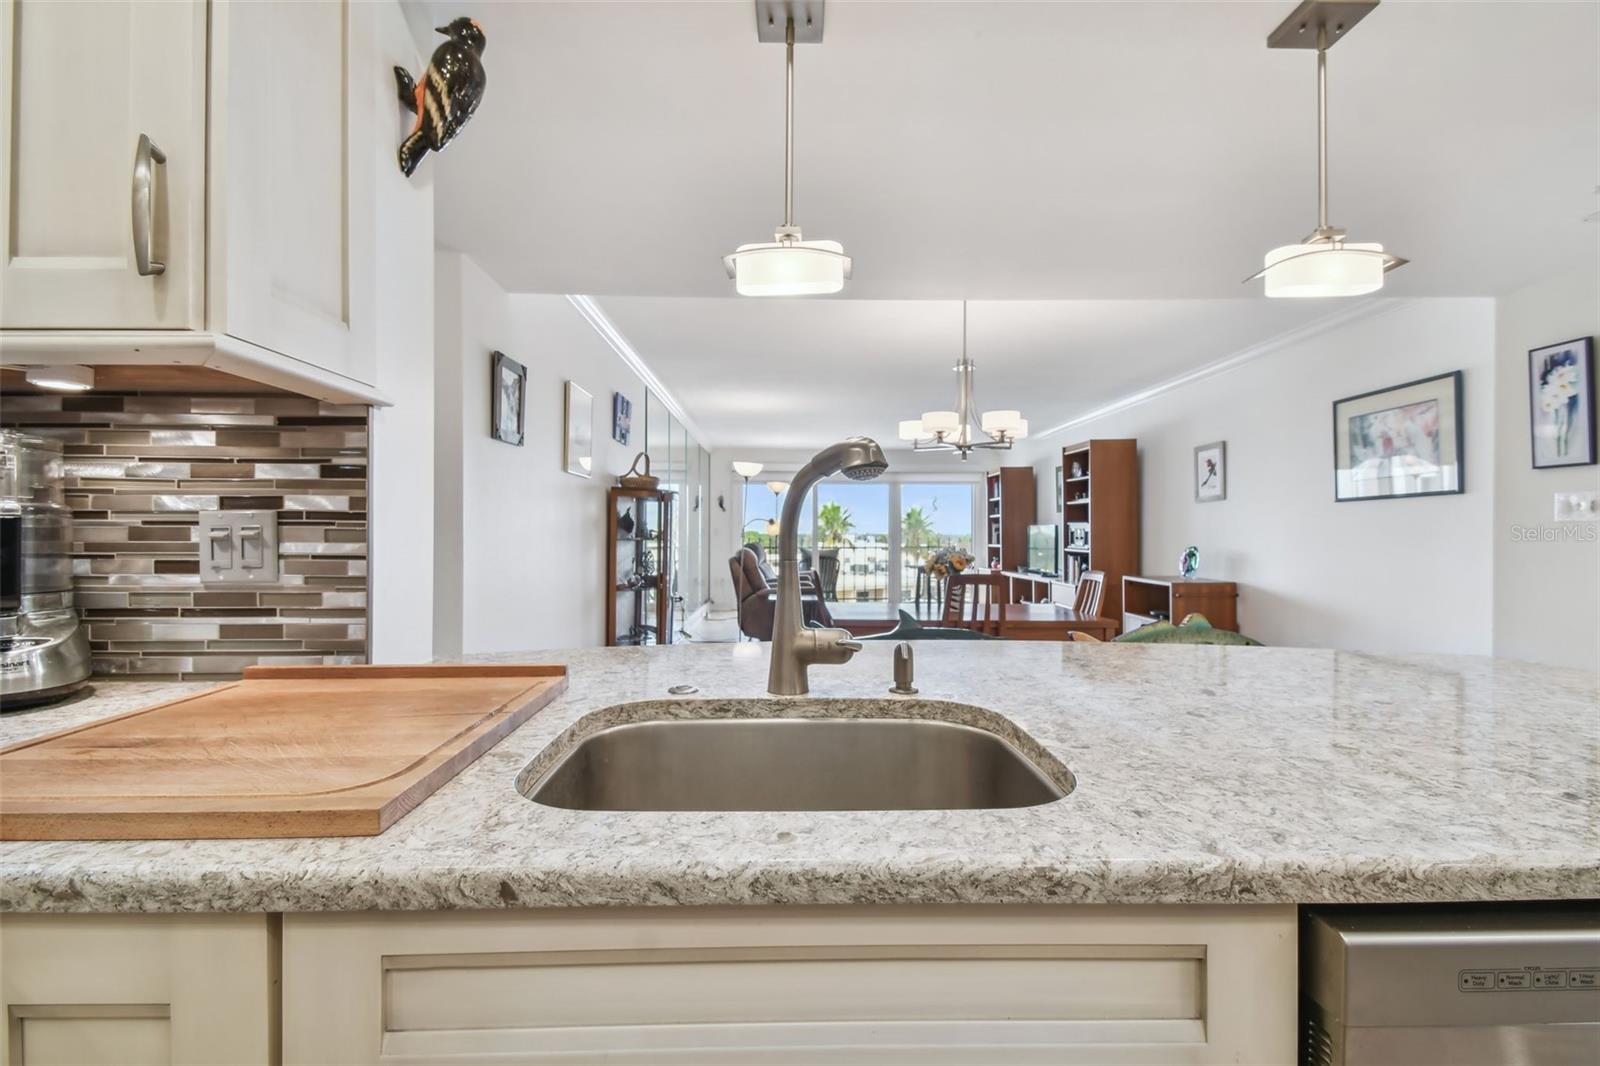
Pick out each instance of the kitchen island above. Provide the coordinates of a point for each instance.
(1213, 789)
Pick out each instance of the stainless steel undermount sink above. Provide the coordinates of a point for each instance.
(790, 764)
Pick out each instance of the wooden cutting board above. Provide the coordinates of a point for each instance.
(289, 751)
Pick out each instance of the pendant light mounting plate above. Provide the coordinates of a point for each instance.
(772, 17)
(1299, 30)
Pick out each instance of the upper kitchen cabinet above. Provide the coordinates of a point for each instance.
(102, 190)
(238, 145)
(293, 166)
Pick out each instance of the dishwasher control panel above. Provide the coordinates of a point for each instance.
(1527, 979)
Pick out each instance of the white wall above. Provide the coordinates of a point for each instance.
(1546, 592)
(521, 543)
(400, 582)
(1390, 575)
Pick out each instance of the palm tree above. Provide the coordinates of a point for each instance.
(916, 531)
(834, 525)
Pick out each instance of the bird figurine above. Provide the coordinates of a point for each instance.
(450, 91)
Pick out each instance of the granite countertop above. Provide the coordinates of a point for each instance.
(1203, 775)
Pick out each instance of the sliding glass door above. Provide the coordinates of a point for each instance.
(870, 542)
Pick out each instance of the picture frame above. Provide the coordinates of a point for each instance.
(578, 443)
(621, 418)
(1561, 398)
(1211, 472)
(1400, 441)
(1061, 489)
(508, 404)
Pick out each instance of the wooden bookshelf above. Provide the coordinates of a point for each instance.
(1009, 510)
(638, 588)
(1152, 599)
(1100, 514)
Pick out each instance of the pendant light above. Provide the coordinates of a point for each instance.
(789, 265)
(960, 430)
(1323, 263)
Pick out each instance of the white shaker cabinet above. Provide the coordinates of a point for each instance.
(97, 234)
(292, 178)
(274, 118)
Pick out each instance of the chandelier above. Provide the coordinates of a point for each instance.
(962, 430)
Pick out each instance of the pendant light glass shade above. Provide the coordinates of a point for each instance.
(744, 468)
(936, 422)
(1324, 269)
(911, 429)
(788, 268)
(996, 423)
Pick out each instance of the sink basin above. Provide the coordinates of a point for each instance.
(791, 764)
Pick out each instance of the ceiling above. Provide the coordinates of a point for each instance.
(798, 373)
(1096, 177)
(1020, 150)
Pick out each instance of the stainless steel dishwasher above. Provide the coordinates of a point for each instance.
(1507, 985)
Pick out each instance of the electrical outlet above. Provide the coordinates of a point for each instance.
(238, 547)
(1578, 507)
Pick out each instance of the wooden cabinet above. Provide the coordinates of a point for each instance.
(1009, 510)
(1100, 514)
(80, 83)
(1171, 599)
(91, 989)
(638, 589)
(1059, 984)
(275, 118)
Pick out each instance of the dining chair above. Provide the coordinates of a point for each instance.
(968, 597)
(1091, 588)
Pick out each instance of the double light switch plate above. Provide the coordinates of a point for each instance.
(238, 547)
(1577, 507)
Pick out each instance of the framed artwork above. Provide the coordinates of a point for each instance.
(1561, 401)
(621, 418)
(578, 450)
(509, 390)
(1401, 441)
(1211, 472)
(1061, 487)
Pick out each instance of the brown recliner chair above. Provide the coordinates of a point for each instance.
(755, 586)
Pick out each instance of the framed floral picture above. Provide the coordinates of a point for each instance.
(1561, 399)
(1211, 472)
(509, 398)
(1405, 440)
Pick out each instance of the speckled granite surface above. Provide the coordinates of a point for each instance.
(1202, 775)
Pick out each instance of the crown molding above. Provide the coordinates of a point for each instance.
(602, 324)
(1361, 311)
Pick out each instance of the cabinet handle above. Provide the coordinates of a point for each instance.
(144, 160)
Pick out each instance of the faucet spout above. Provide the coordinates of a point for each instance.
(794, 647)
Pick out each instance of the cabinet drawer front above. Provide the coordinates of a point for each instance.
(79, 83)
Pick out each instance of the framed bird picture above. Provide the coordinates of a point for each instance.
(1211, 472)
(508, 387)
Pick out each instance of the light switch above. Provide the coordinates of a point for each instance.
(1578, 507)
(238, 547)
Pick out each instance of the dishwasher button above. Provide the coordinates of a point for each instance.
(1477, 980)
(1512, 979)
(1583, 978)
(1550, 979)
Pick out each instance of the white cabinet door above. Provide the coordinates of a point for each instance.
(79, 83)
(293, 114)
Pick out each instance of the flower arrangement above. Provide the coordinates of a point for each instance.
(1558, 394)
(945, 560)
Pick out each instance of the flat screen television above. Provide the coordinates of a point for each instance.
(1044, 549)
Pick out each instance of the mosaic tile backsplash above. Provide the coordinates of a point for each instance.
(141, 467)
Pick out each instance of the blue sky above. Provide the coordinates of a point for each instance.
(949, 506)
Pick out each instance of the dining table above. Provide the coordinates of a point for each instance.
(1043, 621)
